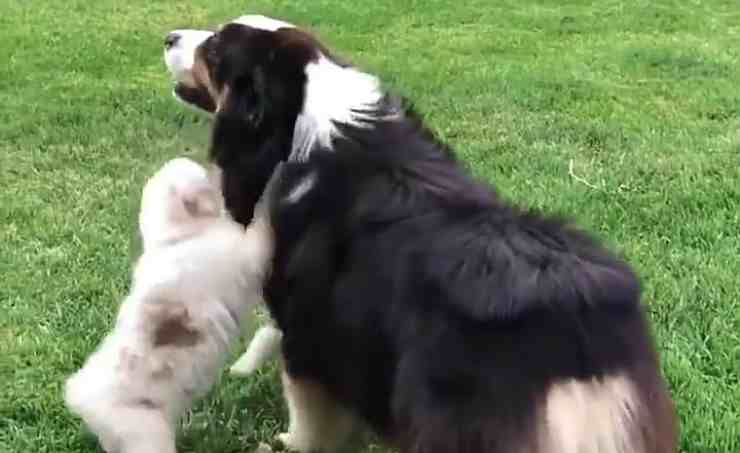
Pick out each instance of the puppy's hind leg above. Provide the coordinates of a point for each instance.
(317, 421)
(141, 430)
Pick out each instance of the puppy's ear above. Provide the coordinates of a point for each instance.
(198, 200)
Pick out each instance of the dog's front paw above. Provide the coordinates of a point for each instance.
(290, 442)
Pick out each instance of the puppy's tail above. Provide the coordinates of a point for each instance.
(264, 345)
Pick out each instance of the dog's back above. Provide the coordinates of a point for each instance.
(519, 333)
(456, 323)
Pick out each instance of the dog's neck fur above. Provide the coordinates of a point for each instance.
(333, 95)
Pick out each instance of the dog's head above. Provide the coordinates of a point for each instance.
(175, 201)
(275, 92)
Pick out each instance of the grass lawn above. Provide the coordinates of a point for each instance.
(622, 114)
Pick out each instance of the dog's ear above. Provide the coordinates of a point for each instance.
(244, 97)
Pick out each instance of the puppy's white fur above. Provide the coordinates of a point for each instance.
(199, 275)
(264, 346)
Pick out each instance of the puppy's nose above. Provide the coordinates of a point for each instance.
(171, 40)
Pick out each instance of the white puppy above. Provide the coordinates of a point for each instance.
(199, 275)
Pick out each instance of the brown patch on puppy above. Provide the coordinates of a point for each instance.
(175, 330)
(148, 403)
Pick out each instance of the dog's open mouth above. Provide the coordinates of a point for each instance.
(196, 97)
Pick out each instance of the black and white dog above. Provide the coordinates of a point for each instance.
(411, 297)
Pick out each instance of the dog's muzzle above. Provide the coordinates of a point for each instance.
(179, 53)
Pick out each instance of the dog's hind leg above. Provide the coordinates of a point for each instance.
(317, 421)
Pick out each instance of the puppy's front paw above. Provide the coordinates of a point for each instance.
(263, 448)
(290, 442)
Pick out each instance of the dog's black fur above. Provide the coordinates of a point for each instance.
(421, 300)
(439, 312)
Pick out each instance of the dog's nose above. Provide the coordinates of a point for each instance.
(171, 40)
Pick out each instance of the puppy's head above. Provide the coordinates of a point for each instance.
(276, 93)
(175, 201)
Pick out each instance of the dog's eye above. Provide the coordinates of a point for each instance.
(212, 41)
(211, 52)
(212, 57)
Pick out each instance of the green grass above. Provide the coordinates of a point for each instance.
(624, 115)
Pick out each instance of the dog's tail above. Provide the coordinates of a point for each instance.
(264, 345)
